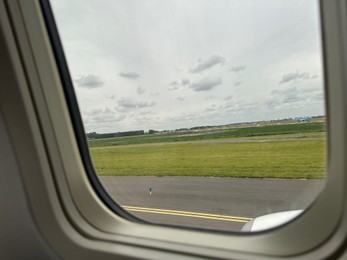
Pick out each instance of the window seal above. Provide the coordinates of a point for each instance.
(242, 243)
(76, 119)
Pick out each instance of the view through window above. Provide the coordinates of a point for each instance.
(200, 113)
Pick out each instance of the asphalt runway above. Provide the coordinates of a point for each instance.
(207, 202)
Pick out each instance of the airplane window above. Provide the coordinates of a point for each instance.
(205, 114)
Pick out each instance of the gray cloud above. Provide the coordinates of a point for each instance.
(106, 115)
(110, 96)
(291, 98)
(129, 75)
(140, 90)
(173, 88)
(89, 81)
(238, 83)
(210, 62)
(128, 104)
(286, 96)
(185, 82)
(241, 107)
(296, 76)
(283, 91)
(211, 108)
(210, 97)
(319, 96)
(314, 93)
(272, 102)
(238, 68)
(206, 84)
(310, 90)
(237, 107)
(230, 104)
(180, 98)
(173, 85)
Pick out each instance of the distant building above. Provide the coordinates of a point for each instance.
(303, 119)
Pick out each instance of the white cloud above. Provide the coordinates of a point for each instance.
(156, 44)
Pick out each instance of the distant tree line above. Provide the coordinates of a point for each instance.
(94, 135)
(151, 131)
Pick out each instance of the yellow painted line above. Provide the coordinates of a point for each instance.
(188, 214)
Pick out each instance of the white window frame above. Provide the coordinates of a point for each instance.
(74, 220)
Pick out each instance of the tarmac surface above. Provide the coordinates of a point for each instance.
(209, 202)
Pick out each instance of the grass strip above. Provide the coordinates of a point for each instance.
(281, 159)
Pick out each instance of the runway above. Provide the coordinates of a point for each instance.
(207, 202)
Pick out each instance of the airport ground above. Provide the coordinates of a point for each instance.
(227, 201)
(216, 178)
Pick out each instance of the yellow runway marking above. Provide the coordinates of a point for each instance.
(188, 214)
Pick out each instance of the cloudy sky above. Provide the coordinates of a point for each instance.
(168, 64)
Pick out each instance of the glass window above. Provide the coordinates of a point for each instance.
(201, 113)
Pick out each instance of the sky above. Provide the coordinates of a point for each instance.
(169, 64)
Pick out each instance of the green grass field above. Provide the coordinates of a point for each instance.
(275, 159)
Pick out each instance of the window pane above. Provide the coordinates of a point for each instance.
(200, 113)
